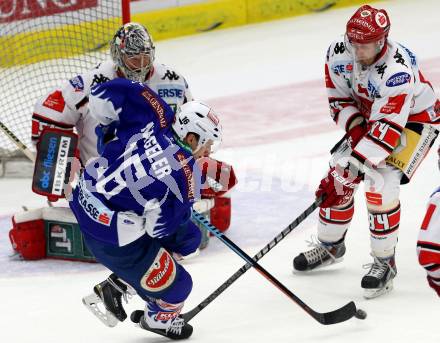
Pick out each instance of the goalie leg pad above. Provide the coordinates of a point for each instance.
(27, 235)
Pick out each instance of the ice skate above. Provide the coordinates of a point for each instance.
(379, 279)
(322, 254)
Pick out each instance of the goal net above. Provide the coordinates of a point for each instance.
(42, 44)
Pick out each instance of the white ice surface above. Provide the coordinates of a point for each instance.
(266, 80)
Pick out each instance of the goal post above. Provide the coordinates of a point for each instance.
(42, 44)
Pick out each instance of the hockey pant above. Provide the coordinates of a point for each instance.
(428, 243)
(382, 187)
(148, 266)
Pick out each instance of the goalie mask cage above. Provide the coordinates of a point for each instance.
(44, 43)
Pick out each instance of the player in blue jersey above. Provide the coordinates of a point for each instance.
(133, 203)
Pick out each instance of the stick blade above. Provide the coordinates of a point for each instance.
(338, 316)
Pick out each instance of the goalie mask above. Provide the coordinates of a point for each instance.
(198, 118)
(132, 51)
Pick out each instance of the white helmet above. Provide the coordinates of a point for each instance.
(196, 117)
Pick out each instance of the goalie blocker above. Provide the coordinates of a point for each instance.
(51, 232)
(57, 157)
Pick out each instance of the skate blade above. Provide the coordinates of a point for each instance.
(377, 292)
(323, 265)
(91, 302)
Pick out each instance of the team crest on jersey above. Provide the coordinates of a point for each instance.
(77, 83)
(161, 273)
(398, 79)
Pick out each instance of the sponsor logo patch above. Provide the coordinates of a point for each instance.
(398, 79)
(166, 316)
(342, 67)
(161, 273)
(55, 101)
(394, 104)
(166, 91)
(373, 90)
(157, 107)
(77, 83)
(48, 162)
(188, 175)
(381, 19)
(60, 169)
(93, 207)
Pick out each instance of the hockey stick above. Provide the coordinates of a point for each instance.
(192, 313)
(342, 314)
(29, 154)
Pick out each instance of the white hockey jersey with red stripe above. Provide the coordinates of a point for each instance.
(389, 94)
(66, 107)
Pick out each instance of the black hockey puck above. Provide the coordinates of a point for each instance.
(360, 314)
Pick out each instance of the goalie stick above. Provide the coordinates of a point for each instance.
(29, 154)
(342, 314)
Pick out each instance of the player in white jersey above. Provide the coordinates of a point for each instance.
(133, 57)
(66, 107)
(428, 243)
(380, 98)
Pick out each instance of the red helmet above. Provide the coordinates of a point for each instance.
(368, 25)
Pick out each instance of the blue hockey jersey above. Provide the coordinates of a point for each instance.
(144, 170)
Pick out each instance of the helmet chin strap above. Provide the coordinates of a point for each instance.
(182, 144)
(380, 45)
